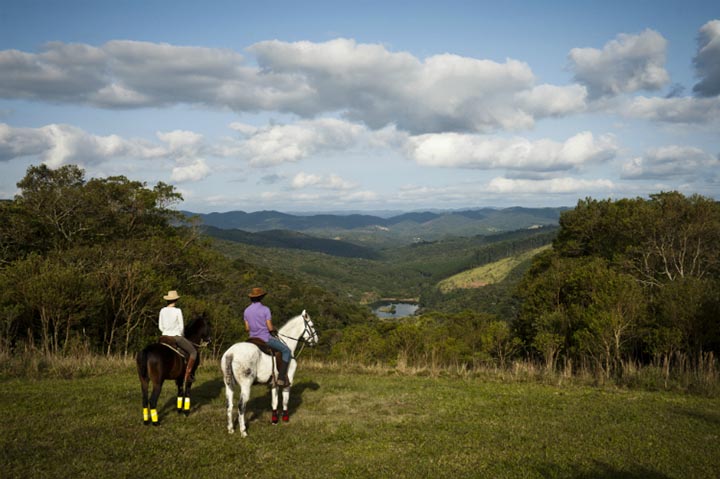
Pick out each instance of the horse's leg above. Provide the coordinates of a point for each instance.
(242, 404)
(274, 403)
(286, 402)
(157, 387)
(145, 401)
(186, 404)
(229, 398)
(180, 395)
(286, 391)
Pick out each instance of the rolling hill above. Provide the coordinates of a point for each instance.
(396, 230)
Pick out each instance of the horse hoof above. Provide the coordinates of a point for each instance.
(156, 424)
(147, 423)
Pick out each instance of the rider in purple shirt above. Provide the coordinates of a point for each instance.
(258, 322)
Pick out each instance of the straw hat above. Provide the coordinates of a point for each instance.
(171, 296)
(257, 293)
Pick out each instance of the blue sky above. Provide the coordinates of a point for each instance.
(366, 105)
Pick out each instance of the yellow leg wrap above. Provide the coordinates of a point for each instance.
(180, 403)
(146, 414)
(153, 415)
(187, 404)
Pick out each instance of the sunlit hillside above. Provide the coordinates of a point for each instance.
(487, 274)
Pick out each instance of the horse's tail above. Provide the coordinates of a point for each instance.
(228, 375)
(141, 360)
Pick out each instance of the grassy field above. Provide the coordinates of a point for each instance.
(347, 424)
(490, 273)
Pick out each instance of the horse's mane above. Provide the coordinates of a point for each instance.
(289, 321)
(195, 325)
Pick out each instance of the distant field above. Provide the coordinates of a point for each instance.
(487, 274)
(346, 424)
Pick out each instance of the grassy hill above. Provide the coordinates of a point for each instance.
(491, 273)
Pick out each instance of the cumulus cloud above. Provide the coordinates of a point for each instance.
(195, 171)
(686, 110)
(365, 82)
(332, 182)
(671, 162)
(626, 64)
(554, 185)
(707, 60)
(57, 145)
(476, 151)
(277, 144)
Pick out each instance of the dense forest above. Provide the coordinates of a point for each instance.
(84, 264)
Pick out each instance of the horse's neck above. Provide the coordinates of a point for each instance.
(193, 332)
(291, 331)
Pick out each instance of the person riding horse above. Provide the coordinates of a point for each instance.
(258, 322)
(171, 324)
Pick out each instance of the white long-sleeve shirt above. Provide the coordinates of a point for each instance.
(171, 321)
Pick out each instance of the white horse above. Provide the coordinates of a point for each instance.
(245, 364)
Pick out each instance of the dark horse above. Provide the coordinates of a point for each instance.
(158, 362)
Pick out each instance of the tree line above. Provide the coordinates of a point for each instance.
(84, 265)
(627, 281)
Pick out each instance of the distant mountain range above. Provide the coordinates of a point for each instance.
(292, 240)
(420, 224)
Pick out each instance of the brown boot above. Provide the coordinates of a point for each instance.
(189, 369)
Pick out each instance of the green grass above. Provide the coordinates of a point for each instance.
(351, 424)
(491, 273)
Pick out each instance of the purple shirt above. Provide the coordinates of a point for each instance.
(255, 316)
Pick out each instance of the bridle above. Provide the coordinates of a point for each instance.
(308, 330)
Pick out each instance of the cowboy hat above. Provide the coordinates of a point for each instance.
(257, 293)
(171, 296)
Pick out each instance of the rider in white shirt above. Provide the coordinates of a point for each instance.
(171, 324)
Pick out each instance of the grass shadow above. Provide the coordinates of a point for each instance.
(261, 404)
(600, 470)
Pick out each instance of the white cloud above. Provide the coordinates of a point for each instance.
(475, 151)
(707, 60)
(554, 186)
(672, 162)
(684, 110)
(58, 145)
(195, 171)
(277, 144)
(182, 144)
(626, 64)
(332, 182)
(551, 100)
(365, 82)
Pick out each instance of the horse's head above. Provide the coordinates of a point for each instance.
(309, 335)
(198, 331)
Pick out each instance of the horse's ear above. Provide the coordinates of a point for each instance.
(304, 314)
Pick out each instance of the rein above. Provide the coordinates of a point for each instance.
(300, 339)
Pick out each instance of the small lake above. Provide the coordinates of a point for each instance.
(395, 310)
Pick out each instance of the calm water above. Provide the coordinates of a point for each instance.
(401, 310)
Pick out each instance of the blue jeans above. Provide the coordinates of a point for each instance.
(280, 346)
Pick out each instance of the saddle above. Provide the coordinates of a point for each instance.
(263, 346)
(275, 356)
(170, 342)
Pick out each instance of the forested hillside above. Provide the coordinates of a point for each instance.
(626, 285)
(627, 281)
(85, 263)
